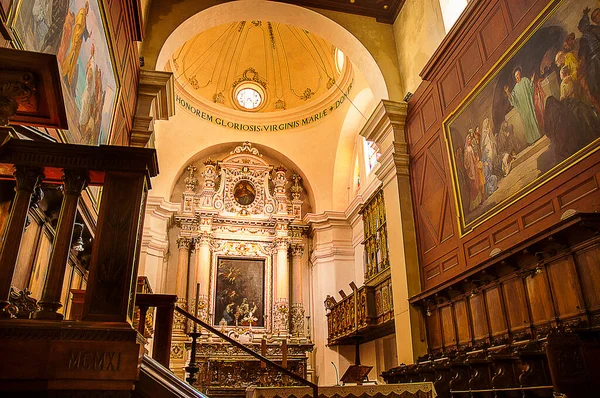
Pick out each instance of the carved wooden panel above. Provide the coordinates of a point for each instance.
(463, 325)
(516, 304)
(494, 30)
(540, 301)
(479, 317)
(565, 287)
(588, 267)
(450, 86)
(434, 330)
(448, 330)
(471, 60)
(496, 313)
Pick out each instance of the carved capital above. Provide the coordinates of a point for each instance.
(75, 181)
(282, 243)
(27, 178)
(183, 243)
(297, 249)
(203, 239)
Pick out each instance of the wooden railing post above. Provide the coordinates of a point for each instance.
(74, 182)
(161, 350)
(112, 280)
(27, 178)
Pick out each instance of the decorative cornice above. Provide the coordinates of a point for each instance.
(387, 114)
(326, 220)
(156, 101)
(160, 208)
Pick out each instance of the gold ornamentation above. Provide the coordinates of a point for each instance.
(281, 316)
(219, 98)
(190, 181)
(177, 350)
(250, 75)
(297, 320)
(307, 94)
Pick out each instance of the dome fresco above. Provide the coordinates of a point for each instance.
(257, 66)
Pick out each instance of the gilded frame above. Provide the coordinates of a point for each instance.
(465, 228)
(230, 249)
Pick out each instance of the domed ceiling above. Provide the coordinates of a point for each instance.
(259, 66)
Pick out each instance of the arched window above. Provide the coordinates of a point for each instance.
(371, 155)
(451, 10)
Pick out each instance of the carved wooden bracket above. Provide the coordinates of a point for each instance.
(155, 102)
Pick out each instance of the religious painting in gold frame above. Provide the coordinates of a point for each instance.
(536, 113)
(75, 31)
(240, 292)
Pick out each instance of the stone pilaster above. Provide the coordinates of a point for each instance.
(179, 322)
(297, 306)
(385, 128)
(282, 288)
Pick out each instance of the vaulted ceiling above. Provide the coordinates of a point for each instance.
(383, 10)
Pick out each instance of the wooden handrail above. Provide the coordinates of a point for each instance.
(250, 352)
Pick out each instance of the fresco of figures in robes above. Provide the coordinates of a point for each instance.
(534, 116)
(73, 30)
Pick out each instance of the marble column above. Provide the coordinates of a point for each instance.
(179, 337)
(282, 289)
(385, 128)
(203, 272)
(297, 306)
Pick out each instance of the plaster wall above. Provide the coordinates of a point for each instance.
(378, 38)
(418, 31)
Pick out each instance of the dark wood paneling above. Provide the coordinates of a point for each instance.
(471, 60)
(448, 329)
(540, 302)
(494, 30)
(588, 267)
(463, 324)
(566, 290)
(434, 330)
(479, 317)
(496, 312)
(475, 45)
(516, 304)
(450, 86)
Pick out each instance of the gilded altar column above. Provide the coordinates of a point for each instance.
(297, 307)
(179, 337)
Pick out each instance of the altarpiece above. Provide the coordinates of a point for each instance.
(241, 240)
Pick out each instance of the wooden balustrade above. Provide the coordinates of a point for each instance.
(367, 312)
(125, 175)
(163, 326)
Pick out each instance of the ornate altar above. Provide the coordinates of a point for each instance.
(242, 240)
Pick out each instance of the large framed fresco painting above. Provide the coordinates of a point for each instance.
(534, 115)
(74, 30)
(240, 292)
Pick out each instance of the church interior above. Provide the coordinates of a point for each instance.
(311, 198)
